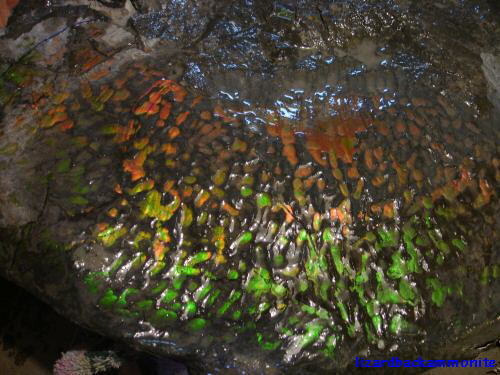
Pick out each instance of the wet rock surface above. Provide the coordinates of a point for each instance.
(254, 186)
(491, 69)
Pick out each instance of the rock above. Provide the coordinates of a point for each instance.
(286, 220)
(52, 33)
(491, 69)
(119, 16)
(116, 36)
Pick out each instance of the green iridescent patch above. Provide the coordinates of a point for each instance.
(388, 238)
(245, 191)
(263, 200)
(108, 299)
(140, 187)
(196, 324)
(313, 330)
(152, 206)
(109, 236)
(259, 281)
(439, 292)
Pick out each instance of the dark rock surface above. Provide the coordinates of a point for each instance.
(254, 186)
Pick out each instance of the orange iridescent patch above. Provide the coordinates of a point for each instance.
(141, 143)
(288, 213)
(382, 128)
(378, 153)
(135, 165)
(401, 172)
(159, 249)
(230, 209)
(201, 198)
(173, 132)
(168, 185)
(196, 101)
(57, 109)
(120, 82)
(340, 214)
(49, 121)
(155, 97)
(165, 110)
(169, 149)
(353, 172)
(66, 125)
(303, 171)
(179, 93)
(291, 154)
(308, 183)
(219, 112)
(187, 192)
(147, 108)
(90, 63)
(388, 210)
(205, 129)
(216, 131)
(123, 133)
(206, 115)
(102, 226)
(370, 164)
(335, 135)
(181, 118)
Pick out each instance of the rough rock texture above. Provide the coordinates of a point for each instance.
(267, 188)
(491, 69)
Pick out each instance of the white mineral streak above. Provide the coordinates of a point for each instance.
(53, 33)
(118, 16)
(491, 70)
